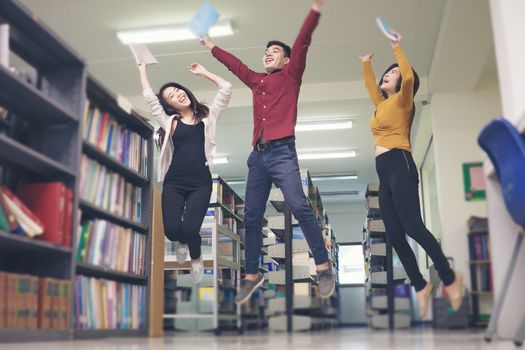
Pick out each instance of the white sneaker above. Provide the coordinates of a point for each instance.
(197, 270)
(181, 252)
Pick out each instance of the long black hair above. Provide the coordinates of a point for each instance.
(200, 110)
(398, 86)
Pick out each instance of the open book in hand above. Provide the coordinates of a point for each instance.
(385, 28)
(203, 20)
(142, 54)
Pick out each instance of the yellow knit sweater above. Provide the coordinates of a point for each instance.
(392, 119)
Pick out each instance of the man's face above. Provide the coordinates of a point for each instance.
(274, 58)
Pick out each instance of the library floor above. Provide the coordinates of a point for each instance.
(344, 338)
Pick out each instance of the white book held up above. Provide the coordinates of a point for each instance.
(142, 54)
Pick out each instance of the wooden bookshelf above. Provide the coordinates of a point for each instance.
(98, 96)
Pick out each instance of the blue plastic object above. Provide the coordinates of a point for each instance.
(505, 147)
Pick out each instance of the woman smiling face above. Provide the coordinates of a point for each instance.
(176, 98)
(390, 81)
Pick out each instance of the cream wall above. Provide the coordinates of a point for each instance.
(457, 119)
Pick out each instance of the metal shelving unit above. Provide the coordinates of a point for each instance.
(221, 249)
(296, 313)
(384, 309)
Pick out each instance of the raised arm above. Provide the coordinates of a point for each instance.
(370, 80)
(151, 99)
(197, 69)
(223, 96)
(406, 92)
(297, 63)
(235, 65)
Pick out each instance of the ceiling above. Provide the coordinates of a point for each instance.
(332, 85)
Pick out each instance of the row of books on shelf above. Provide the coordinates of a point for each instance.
(104, 304)
(102, 243)
(39, 210)
(30, 302)
(484, 276)
(102, 131)
(222, 194)
(109, 191)
(216, 215)
(479, 247)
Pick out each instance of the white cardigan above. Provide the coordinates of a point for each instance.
(220, 102)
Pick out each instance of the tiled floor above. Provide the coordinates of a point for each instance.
(345, 338)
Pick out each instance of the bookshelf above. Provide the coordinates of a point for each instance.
(115, 202)
(293, 299)
(43, 141)
(42, 91)
(208, 306)
(481, 281)
(387, 295)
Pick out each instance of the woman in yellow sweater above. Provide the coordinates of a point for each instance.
(391, 123)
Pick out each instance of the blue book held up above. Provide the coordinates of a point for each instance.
(203, 20)
(385, 28)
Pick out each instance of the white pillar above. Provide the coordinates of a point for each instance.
(509, 30)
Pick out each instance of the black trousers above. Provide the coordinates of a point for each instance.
(184, 206)
(401, 213)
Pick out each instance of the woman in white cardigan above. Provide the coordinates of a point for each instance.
(187, 143)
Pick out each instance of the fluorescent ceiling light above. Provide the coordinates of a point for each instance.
(327, 155)
(334, 177)
(170, 33)
(318, 126)
(220, 160)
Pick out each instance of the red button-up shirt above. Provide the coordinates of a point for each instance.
(275, 95)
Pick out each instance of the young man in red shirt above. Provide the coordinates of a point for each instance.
(274, 158)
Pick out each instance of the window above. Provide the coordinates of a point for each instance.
(351, 264)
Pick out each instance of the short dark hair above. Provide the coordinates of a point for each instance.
(398, 85)
(286, 48)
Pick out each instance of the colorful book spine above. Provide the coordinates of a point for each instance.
(110, 191)
(105, 304)
(108, 245)
(102, 130)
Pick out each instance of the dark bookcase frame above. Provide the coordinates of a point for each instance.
(55, 108)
